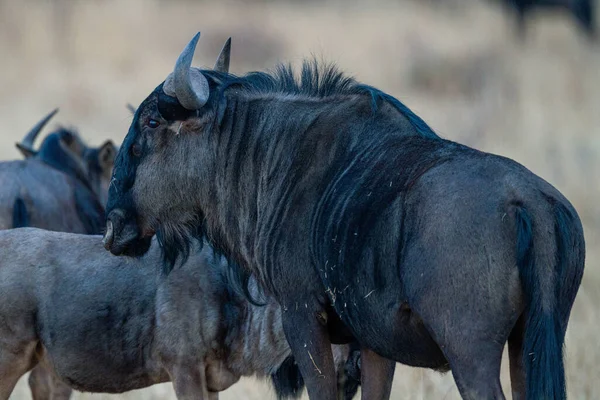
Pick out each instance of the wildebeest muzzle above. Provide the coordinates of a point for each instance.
(122, 236)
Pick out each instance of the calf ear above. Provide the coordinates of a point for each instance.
(106, 155)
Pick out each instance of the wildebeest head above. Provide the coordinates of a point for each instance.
(64, 150)
(168, 129)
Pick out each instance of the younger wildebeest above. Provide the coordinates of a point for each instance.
(360, 221)
(62, 186)
(109, 324)
(583, 11)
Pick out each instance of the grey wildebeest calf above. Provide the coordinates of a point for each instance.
(62, 186)
(360, 221)
(108, 324)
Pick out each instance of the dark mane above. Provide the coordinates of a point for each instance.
(52, 153)
(315, 80)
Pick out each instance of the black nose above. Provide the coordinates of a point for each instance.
(119, 232)
(122, 237)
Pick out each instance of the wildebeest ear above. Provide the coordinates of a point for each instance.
(222, 64)
(107, 154)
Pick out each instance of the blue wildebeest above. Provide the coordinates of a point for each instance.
(360, 221)
(108, 324)
(583, 11)
(62, 186)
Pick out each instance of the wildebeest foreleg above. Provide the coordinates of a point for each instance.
(309, 340)
(189, 382)
(377, 374)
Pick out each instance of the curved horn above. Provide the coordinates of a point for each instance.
(187, 84)
(34, 132)
(26, 145)
(222, 64)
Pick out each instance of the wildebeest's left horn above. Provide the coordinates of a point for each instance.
(222, 64)
(187, 84)
(26, 145)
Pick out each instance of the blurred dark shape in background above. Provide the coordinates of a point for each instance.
(583, 12)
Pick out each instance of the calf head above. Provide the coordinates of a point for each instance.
(64, 150)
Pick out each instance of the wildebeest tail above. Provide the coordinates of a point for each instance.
(20, 217)
(349, 374)
(548, 299)
(287, 380)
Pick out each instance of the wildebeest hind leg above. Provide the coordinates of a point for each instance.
(309, 340)
(377, 374)
(472, 342)
(480, 379)
(475, 367)
(13, 365)
(515, 353)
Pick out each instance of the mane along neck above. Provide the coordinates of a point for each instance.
(315, 81)
(271, 154)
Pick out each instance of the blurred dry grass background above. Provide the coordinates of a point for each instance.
(456, 63)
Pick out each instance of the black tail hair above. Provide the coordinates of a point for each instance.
(349, 377)
(20, 217)
(544, 330)
(571, 259)
(287, 380)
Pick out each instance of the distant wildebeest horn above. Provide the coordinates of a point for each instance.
(26, 145)
(131, 108)
(222, 64)
(187, 84)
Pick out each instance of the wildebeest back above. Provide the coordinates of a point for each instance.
(46, 210)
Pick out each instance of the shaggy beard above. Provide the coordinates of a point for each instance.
(176, 241)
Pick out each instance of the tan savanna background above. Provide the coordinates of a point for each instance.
(457, 63)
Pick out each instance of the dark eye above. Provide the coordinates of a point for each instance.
(152, 123)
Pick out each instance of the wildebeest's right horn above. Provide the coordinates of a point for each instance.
(188, 84)
(222, 64)
(26, 145)
(131, 108)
